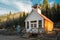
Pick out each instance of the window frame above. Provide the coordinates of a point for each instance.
(40, 23)
(34, 24)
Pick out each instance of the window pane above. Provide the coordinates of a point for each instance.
(33, 21)
(40, 23)
(35, 25)
(27, 25)
(31, 25)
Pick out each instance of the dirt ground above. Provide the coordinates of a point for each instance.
(17, 37)
(14, 37)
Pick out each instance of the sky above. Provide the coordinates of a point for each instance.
(20, 5)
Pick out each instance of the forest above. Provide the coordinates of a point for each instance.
(53, 13)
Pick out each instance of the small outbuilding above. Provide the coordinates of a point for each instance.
(37, 22)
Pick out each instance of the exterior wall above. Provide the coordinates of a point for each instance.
(48, 26)
(32, 17)
(45, 25)
(27, 30)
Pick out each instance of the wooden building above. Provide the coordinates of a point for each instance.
(37, 22)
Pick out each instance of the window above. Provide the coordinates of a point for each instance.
(31, 25)
(27, 25)
(40, 23)
(33, 21)
(35, 25)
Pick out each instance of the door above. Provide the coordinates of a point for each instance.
(34, 28)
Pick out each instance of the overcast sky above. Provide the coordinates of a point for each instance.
(20, 5)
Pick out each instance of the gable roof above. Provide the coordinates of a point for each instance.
(45, 17)
(37, 7)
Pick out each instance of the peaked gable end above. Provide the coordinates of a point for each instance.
(33, 16)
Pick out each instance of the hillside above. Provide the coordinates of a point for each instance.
(11, 16)
(12, 19)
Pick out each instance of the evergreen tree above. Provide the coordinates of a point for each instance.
(45, 3)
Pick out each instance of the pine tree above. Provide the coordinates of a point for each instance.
(45, 4)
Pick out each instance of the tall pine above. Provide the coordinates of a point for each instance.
(45, 4)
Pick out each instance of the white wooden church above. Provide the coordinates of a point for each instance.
(37, 21)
